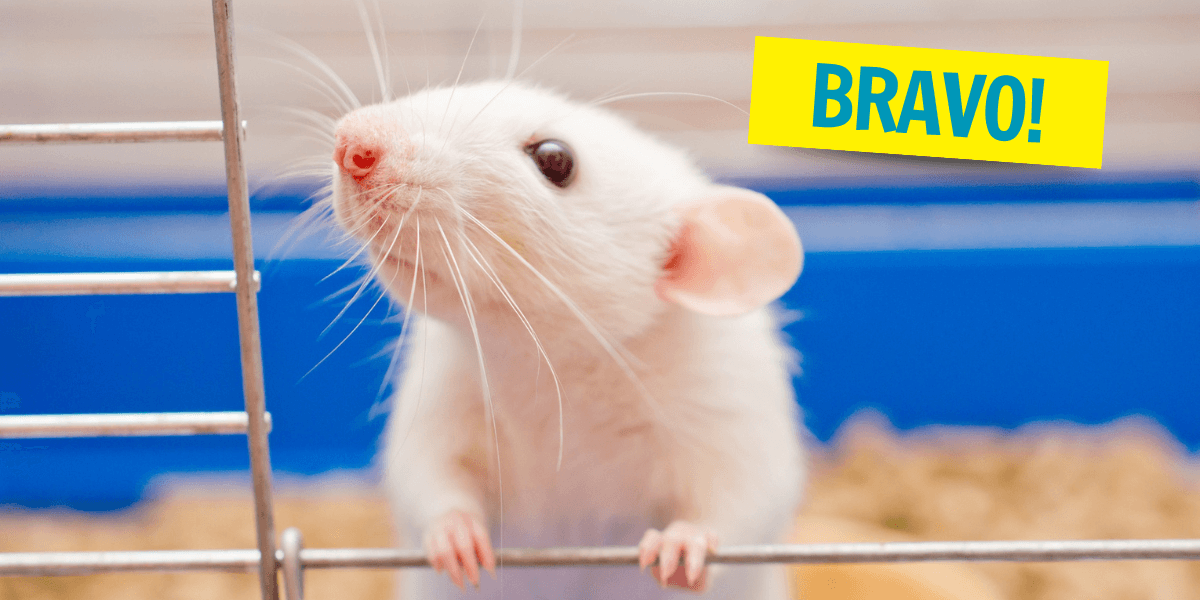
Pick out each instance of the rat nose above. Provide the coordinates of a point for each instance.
(355, 158)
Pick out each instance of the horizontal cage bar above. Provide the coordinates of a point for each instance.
(43, 564)
(1032, 551)
(151, 282)
(82, 563)
(127, 424)
(151, 131)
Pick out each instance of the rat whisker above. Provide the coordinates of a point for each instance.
(474, 252)
(510, 80)
(616, 90)
(648, 94)
(346, 99)
(322, 87)
(319, 124)
(387, 54)
(400, 227)
(545, 55)
(384, 54)
(382, 295)
(408, 311)
(424, 340)
(411, 209)
(358, 280)
(312, 168)
(385, 88)
(460, 283)
(607, 345)
(314, 116)
(366, 280)
(363, 214)
(304, 225)
(514, 52)
(303, 169)
(364, 246)
(359, 218)
(461, 68)
(310, 134)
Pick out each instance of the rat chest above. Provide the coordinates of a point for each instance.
(615, 474)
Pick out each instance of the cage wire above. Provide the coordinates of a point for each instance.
(292, 558)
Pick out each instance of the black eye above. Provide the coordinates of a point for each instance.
(554, 159)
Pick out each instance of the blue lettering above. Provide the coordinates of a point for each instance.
(821, 116)
(961, 117)
(867, 97)
(992, 108)
(921, 83)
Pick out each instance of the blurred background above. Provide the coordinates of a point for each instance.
(977, 295)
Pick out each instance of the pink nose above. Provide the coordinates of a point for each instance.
(356, 159)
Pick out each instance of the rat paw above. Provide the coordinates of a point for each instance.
(458, 543)
(679, 539)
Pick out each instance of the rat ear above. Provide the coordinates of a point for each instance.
(736, 251)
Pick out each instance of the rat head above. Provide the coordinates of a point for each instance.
(498, 197)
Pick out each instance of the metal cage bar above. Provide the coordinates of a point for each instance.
(247, 301)
(1033, 551)
(243, 281)
(291, 543)
(292, 557)
(45, 564)
(299, 558)
(126, 424)
(151, 282)
(151, 131)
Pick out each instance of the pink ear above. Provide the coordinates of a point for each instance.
(735, 252)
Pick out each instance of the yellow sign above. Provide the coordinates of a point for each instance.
(924, 102)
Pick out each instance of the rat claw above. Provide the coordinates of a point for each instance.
(648, 548)
(694, 562)
(458, 543)
(454, 570)
(679, 540)
(668, 560)
(464, 550)
(483, 547)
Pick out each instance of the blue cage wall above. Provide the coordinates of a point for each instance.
(1086, 313)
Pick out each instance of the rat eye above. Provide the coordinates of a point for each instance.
(554, 159)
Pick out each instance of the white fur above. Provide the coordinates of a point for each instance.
(666, 415)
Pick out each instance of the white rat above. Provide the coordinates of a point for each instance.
(596, 363)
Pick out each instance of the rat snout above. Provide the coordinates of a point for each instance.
(355, 158)
(371, 145)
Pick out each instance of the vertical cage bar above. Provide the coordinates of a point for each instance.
(292, 542)
(247, 301)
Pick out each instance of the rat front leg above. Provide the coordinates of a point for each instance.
(680, 539)
(458, 543)
(744, 493)
(436, 459)
(438, 492)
